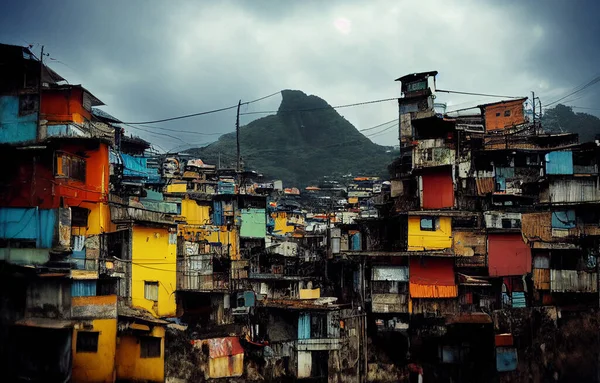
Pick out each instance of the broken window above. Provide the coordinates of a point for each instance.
(150, 347)
(87, 341)
(507, 113)
(427, 224)
(151, 291)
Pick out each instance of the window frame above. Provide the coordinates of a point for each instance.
(70, 166)
(85, 347)
(146, 285)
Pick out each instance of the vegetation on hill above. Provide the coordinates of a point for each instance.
(306, 140)
(561, 118)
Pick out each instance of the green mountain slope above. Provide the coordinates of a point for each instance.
(305, 140)
(561, 118)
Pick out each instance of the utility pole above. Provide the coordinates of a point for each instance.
(40, 86)
(237, 136)
(533, 102)
(219, 163)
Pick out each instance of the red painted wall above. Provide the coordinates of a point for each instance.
(30, 180)
(508, 255)
(438, 190)
(61, 104)
(432, 271)
(96, 177)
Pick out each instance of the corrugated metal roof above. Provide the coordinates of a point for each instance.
(536, 226)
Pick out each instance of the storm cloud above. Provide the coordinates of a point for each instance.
(151, 60)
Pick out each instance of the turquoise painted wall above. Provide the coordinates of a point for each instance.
(15, 129)
(254, 223)
(28, 224)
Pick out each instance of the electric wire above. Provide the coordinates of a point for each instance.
(199, 113)
(323, 107)
(476, 94)
(576, 90)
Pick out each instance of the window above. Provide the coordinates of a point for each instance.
(28, 104)
(498, 114)
(70, 166)
(151, 291)
(428, 223)
(507, 113)
(87, 341)
(79, 216)
(150, 347)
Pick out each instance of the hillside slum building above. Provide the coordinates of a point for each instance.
(476, 261)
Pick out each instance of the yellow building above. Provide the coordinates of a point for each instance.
(94, 340)
(195, 213)
(140, 353)
(429, 233)
(154, 269)
(285, 222)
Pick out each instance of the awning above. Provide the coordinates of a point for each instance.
(432, 278)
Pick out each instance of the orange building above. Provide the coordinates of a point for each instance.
(504, 114)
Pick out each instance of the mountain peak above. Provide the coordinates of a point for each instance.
(305, 140)
(294, 100)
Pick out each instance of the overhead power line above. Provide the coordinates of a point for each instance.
(322, 107)
(199, 113)
(576, 90)
(476, 94)
(377, 126)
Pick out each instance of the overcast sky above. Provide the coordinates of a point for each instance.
(150, 60)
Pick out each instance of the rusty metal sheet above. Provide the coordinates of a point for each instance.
(573, 281)
(474, 261)
(226, 366)
(485, 185)
(541, 279)
(469, 243)
(537, 226)
(436, 307)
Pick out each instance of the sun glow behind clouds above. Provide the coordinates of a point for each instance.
(343, 25)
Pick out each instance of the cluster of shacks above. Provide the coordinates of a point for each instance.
(486, 212)
(106, 247)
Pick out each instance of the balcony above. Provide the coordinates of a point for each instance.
(194, 281)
